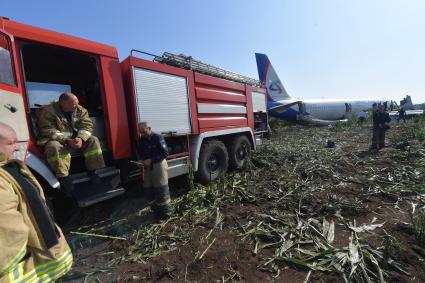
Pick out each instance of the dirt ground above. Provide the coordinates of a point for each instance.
(300, 212)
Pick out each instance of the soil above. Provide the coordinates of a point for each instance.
(346, 184)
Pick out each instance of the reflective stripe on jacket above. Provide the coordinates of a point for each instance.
(53, 125)
(24, 255)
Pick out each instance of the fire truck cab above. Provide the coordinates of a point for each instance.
(210, 118)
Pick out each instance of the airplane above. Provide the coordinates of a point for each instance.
(316, 112)
(410, 109)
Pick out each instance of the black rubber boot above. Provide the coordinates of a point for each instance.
(163, 209)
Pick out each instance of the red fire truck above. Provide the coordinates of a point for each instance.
(211, 118)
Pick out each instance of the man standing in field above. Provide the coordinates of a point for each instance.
(362, 117)
(153, 151)
(380, 125)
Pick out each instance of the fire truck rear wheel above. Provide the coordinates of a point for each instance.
(239, 152)
(213, 162)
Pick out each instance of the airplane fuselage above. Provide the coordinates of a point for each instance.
(320, 109)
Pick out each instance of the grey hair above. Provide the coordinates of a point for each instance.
(144, 124)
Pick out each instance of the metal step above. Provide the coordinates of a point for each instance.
(87, 192)
(100, 197)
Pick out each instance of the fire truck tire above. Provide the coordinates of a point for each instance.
(239, 152)
(213, 162)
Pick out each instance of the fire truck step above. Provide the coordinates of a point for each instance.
(100, 197)
(86, 191)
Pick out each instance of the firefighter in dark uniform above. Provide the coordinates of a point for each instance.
(153, 151)
(380, 125)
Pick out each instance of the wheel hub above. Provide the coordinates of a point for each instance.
(213, 163)
(241, 153)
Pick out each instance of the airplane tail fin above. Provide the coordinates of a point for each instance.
(267, 74)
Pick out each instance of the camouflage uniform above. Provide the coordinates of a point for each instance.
(55, 129)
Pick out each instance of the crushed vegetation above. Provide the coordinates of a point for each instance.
(299, 212)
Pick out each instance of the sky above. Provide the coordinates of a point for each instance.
(365, 49)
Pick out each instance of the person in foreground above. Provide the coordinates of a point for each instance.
(32, 247)
(153, 151)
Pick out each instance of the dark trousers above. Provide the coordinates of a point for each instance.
(378, 138)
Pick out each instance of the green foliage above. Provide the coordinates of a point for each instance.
(345, 126)
(392, 247)
(278, 124)
(418, 227)
(418, 129)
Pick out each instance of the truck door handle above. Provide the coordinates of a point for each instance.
(11, 108)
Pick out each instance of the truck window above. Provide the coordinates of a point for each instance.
(6, 69)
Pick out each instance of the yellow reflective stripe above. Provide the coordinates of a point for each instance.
(16, 273)
(55, 261)
(84, 132)
(55, 273)
(58, 134)
(44, 273)
(55, 158)
(14, 261)
(44, 268)
(93, 152)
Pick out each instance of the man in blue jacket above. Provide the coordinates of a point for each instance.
(153, 151)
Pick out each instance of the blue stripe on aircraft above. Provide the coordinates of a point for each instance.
(288, 114)
(262, 65)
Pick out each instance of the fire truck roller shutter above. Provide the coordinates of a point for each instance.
(259, 102)
(162, 100)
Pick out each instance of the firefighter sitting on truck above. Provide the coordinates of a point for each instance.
(65, 125)
(33, 248)
(153, 151)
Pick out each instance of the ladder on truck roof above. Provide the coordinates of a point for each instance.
(188, 63)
